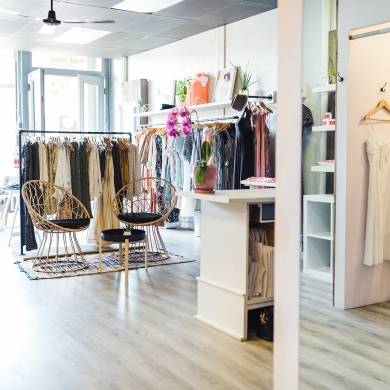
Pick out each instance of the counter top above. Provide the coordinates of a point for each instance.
(234, 196)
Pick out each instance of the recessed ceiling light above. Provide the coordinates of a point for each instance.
(46, 29)
(80, 35)
(145, 6)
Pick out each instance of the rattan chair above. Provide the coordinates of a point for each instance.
(56, 212)
(144, 203)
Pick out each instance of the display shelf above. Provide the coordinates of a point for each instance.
(322, 235)
(323, 273)
(322, 168)
(318, 236)
(257, 302)
(326, 88)
(324, 128)
(199, 107)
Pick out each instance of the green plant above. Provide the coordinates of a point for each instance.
(245, 77)
(140, 102)
(181, 88)
(331, 71)
(128, 227)
(205, 154)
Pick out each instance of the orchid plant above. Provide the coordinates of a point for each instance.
(176, 129)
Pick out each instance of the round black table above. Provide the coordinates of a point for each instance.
(116, 235)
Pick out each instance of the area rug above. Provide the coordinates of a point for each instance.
(110, 263)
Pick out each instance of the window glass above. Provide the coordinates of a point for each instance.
(8, 113)
(41, 60)
(61, 102)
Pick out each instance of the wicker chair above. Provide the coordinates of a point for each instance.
(56, 211)
(144, 203)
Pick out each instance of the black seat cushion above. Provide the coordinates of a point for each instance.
(72, 223)
(139, 217)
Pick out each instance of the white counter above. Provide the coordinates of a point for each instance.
(234, 196)
(223, 282)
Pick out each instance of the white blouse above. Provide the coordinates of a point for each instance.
(377, 246)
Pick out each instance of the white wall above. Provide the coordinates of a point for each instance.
(253, 39)
(356, 284)
(196, 54)
(256, 40)
(115, 95)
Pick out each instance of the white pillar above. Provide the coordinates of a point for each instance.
(288, 195)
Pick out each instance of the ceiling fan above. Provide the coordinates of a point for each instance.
(52, 20)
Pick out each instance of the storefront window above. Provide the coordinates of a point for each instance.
(41, 60)
(61, 99)
(8, 113)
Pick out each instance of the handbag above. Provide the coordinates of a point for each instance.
(265, 325)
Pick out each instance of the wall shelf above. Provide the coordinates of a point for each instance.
(257, 302)
(324, 128)
(326, 88)
(322, 168)
(199, 107)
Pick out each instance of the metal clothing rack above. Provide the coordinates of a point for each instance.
(21, 135)
(220, 118)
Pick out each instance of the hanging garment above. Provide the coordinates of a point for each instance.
(94, 173)
(261, 144)
(117, 166)
(79, 173)
(104, 216)
(377, 244)
(243, 154)
(197, 91)
(29, 172)
(62, 178)
(52, 160)
(43, 172)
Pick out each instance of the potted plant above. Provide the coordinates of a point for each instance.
(205, 175)
(128, 229)
(331, 71)
(140, 104)
(181, 91)
(245, 78)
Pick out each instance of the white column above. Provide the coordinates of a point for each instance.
(288, 195)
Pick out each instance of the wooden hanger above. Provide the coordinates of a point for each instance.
(381, 104)
(266, 108)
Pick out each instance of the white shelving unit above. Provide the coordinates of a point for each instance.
(324, 128)
(322, 168)
(318, 236)
(223, 301)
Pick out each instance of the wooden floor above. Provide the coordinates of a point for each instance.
(103, 332)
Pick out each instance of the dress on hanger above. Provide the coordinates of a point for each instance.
(377, 244)
(243, 154)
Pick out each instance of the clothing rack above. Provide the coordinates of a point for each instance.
(21, 135)
(221, 118)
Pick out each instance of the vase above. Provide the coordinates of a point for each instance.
(244, 91)
(179, 102)
(331, 80)
(208, 183)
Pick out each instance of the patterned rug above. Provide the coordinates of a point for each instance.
(110, 263)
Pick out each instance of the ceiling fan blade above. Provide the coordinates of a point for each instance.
(11, 13)
(87, 21)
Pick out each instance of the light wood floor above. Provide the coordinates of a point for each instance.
(103, 332)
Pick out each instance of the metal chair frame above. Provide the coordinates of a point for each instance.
(147, 195)
(47, 202)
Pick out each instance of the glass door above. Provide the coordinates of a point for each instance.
(36, 100)
(91, 103)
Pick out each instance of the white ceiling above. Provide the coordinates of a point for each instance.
(132, 32)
